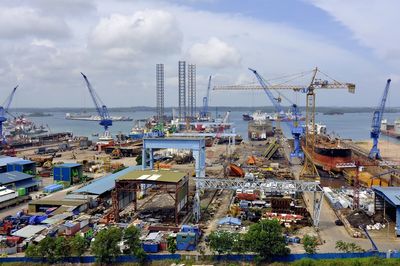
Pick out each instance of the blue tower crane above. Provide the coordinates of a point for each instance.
(4, 110)
(101, 108)
(376, 124)
(204, 111)
(295, 129)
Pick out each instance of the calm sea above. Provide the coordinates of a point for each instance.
(355, 126)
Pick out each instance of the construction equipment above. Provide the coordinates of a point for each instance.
(309, 169)
(204, 114)
(101, 108)
(376, 124)
(295, 129)
(3, 111)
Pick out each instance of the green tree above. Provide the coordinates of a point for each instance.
(32, 251)
(105, 246)
(266, 239)
(78, 245)
(171, 243)
(62, 248)
(132, 240)
(310, 244)
(221, 242)
(46, 249)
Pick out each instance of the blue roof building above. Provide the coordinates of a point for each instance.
(16, 180)
(387, 200)
(69, 173)
(4, 160)
(104, 184)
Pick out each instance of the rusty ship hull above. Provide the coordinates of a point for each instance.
(328, 154)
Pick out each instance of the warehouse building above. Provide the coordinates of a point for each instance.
(18, 180)
(69, 173)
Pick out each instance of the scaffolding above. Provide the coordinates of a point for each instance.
(182, 90)
(160, 92)
(191, 91)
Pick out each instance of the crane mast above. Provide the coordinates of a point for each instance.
(376, 124)
(204, 111)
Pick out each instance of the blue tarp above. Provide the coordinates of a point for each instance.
(229, 221)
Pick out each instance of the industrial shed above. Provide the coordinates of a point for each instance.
(387, 201)
(69, 173)
(4, 160)
(174, 183)
(16, 180)
(25, 166)
(102, 187)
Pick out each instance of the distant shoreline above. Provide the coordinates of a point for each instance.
(211, 109)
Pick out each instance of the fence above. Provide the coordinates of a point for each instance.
(236, 257)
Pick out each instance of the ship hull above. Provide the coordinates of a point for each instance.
(327, 158)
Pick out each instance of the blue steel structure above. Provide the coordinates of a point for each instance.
(196, 145)
(204, 111)
(3, 111)
(101, 108)
(376, 124)
(387, 198)
(295, 129)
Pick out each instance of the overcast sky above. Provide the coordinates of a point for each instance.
(116, 43)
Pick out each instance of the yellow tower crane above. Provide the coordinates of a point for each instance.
(319, 80)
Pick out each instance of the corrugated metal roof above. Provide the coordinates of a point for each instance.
(68, 165)
(14, 176)
(230, 221)
(29, 231)
(106, 183)
(165, 176)
(391, 193)
(57, 218)
(27, 184)
(22, 162)
(4, 160)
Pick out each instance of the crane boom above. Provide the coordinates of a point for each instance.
(274, 101)
(4, 110)
(100, 107)
(376, 124)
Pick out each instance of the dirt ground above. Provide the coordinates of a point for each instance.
(389, 150)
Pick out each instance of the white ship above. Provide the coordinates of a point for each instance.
(89, 117)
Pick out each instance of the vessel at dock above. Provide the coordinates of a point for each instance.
(260, 129)
(328, 152)
(89, 117)
(391, 130)
(247, 117)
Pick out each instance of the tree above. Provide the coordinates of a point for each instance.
(221, 242)
(32, 251)
(105, 246)
(348, 247)
(78, 245)
(310, 244)
(62, 248)
(46, 249)
(266, 239)
(171, 243)
(132, 238)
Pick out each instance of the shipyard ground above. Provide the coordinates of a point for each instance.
(217, 203)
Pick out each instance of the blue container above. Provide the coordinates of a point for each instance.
(150, 247)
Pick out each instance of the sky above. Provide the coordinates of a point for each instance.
(45, 44)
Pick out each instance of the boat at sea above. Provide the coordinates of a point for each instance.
(89, 117)
(247, 117)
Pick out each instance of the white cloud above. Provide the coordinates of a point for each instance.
(214, 53)
(143, 33)
(20, 22)
(375, 23)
